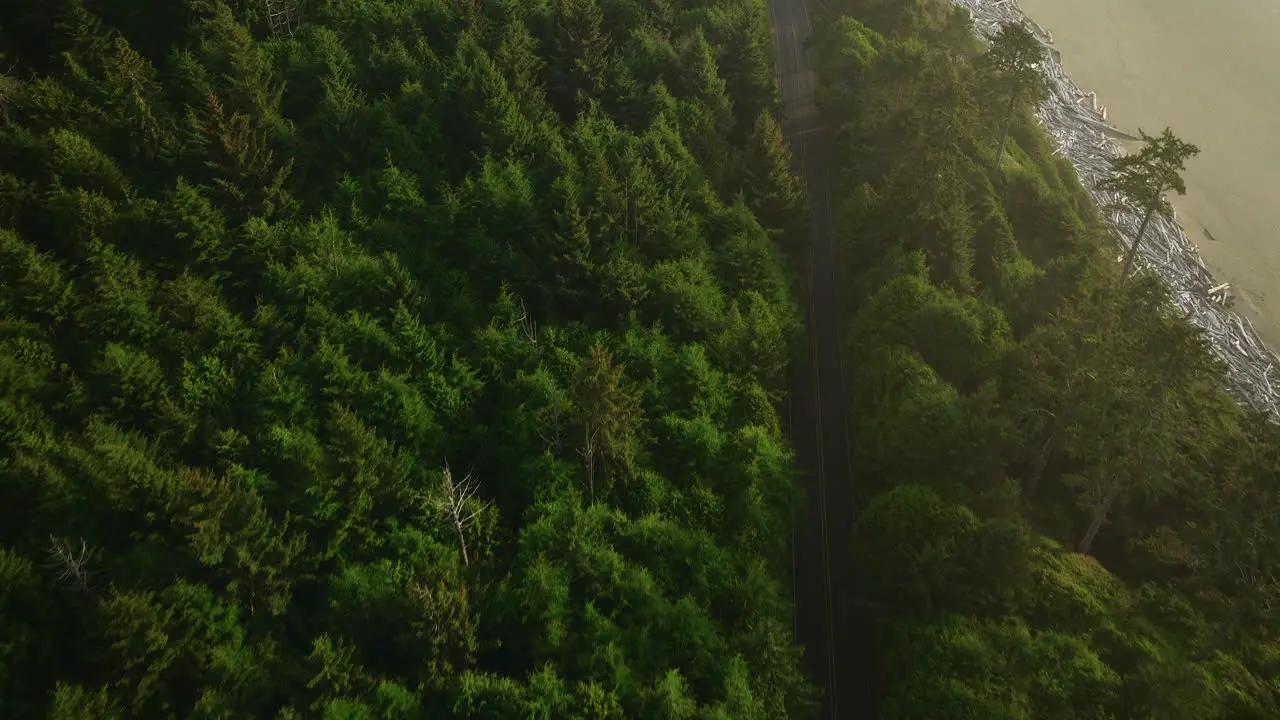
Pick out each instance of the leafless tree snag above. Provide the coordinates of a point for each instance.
(455, 502)
(72, 562)
(283, 17)
(529, 327)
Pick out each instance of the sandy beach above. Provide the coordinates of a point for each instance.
(1205, 69)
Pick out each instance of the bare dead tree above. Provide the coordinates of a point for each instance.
(71, 562)
(527, 324)
(590, 449)
(282, 15)
(456, 503)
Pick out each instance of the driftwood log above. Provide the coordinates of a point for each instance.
(1083, 136)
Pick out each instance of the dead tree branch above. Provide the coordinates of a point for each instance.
(527, 324)
(282, 15)
(457, 505)
(71, 562)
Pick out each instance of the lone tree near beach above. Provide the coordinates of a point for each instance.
(1146, 177)
(1014, 60)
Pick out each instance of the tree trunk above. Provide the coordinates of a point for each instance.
(462, 542)
(1100, 513)
(1008, 123)
(1042, 461)
(588, 453)
(1132, 253)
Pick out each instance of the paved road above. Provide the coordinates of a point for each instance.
(818, 421)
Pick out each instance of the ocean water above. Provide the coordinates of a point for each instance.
(1209, 70)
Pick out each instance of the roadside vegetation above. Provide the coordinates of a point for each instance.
(425, 362)
(1062, 514)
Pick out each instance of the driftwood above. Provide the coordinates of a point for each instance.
(1083, 136)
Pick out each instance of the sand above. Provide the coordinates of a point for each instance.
(1205, 69)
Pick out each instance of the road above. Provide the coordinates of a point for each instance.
(818, 410)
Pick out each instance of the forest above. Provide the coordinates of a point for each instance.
(395, 359)
(424, 358)
(1062, 512)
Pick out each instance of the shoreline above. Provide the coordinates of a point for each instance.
(1202, 67)
(1083, 135)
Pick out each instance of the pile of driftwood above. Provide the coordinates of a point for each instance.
(1085, 138)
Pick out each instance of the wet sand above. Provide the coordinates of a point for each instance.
(1205, 68)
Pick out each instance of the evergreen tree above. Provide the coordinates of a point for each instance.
(1147, 177)
(1014, 59)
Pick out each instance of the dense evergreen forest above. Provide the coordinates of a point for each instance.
(1062, 513)
(423, 358)
(413, 358)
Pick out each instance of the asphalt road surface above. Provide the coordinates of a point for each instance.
(818, 420)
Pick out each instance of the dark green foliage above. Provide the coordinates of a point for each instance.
(1012, 404)
(426, 363)
(1013, 62)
